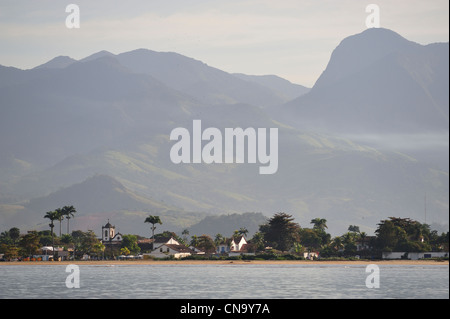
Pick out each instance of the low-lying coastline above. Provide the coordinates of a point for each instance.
(230, 262)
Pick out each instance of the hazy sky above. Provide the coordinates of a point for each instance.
(290, 38)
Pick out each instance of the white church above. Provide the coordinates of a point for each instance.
(109, 235)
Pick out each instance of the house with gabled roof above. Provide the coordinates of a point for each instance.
(235, 246)
(169, 250)
(164, 240)
(166, 247)
(147, 245)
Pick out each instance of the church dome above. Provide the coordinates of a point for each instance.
(108, 225)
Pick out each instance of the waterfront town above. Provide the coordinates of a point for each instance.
(280, 239)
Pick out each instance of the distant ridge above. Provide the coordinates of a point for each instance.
(100, 193)
(284, 88)
(59, 62)
(227, 224)
(97, 55)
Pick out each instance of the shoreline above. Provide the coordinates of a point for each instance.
(228, 262)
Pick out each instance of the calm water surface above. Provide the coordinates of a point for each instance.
(224, 282)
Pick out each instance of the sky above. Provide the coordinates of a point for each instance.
(293, 39)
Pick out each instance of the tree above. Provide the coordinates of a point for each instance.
(130, 242)
(402, 234)
(68, 212)
(310, 238)
(389, 235)
(14, 234)
(348, 239)
(5, 238)
(87, 242)
(153, 220)
(66, 239)
(60, 217)
(185, 234)
(77, 239)
(206, 244)
(10, 236)
(353, 228)
(45, 238)
(124, 251)
(10, 251)
(243, 231)
(30, 243)
(194, 241)
(219, 239)
(443, 242)
(319, 223)
(336, 244)
(280, 232)
(362, 238)
(298, 248)
(98, 248)
(258, 241)
(52, 215)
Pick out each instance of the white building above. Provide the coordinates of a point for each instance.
(109, 235)
(164, 240)
(236, 247)
(165, 247)
(413, 255)
(168, 250)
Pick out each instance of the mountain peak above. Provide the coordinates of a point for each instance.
(97, 55)
(381, 33)
(378, 82)
(358, 51)
(60, 62)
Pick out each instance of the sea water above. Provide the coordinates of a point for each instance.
(224, 282)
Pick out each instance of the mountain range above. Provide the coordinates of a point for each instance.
(94, 133)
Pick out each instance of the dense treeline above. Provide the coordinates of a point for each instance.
(393, 234)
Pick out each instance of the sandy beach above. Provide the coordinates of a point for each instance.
(230, 262)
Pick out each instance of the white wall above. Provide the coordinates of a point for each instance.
(413, 256)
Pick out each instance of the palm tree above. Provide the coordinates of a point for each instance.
(362, 238)
(60, 215)
(153, 220)
(185, 234)
(258, 240)
(243, 231)
(337, 243)
(194, 241)
(69, 212)
(319, 223)
(219, 239)
(348, 238)
(52, 216)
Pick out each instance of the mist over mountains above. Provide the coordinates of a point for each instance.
(95, 133)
